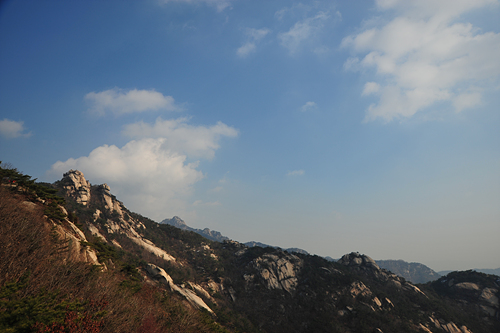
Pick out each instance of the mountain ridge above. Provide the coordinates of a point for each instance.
(207, 233)
(412, 271)
(222, 287)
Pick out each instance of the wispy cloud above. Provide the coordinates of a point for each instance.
(206, 204)
(11, 129)
(119, 101)
(309, 106)
(219, 4)
(422, 56)
(253, 37)
(195, 141)
(301, 31)
(295, 173)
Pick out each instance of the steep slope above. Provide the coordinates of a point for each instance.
(48, 283)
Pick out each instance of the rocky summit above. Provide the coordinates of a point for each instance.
(75, 259)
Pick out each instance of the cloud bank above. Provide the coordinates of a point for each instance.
(423, 55)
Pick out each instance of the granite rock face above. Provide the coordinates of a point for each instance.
(359, 261)
(189, 294)
(117, 218)
(77, 186)
(279, 272)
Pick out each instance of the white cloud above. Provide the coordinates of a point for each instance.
(253, 37)
(195, 141)
(422, 56)
(151, 174)
(308, 106)
(295, 173)
(217, 189)
(246, 49)
(219, 4)
(11, 129)
(301, 31)
(145, 176)
(467, 100)
(119, 101)
(371, 88)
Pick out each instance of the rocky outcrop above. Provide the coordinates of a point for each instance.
(475, 292)
(367, 266)
(74, 239)
(159, 274)
(489, 300)
(102, 192)
(359, 261)
(277, 272)
(117, 220)
(76, 186)
(449, 327)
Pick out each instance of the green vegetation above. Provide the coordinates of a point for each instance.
(19, 182)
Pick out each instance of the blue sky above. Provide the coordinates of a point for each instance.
(333, 126)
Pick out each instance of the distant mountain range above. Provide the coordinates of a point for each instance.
(411, 271)
(289, 250)
(207, 233)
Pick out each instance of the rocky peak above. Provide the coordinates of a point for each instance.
(110, 202)
(360, 261)
(77, 186)
(175, 221)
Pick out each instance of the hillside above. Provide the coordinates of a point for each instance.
(75, 259)
(411, 271)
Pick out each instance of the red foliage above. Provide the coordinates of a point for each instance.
(149, 325)
(74, 322)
